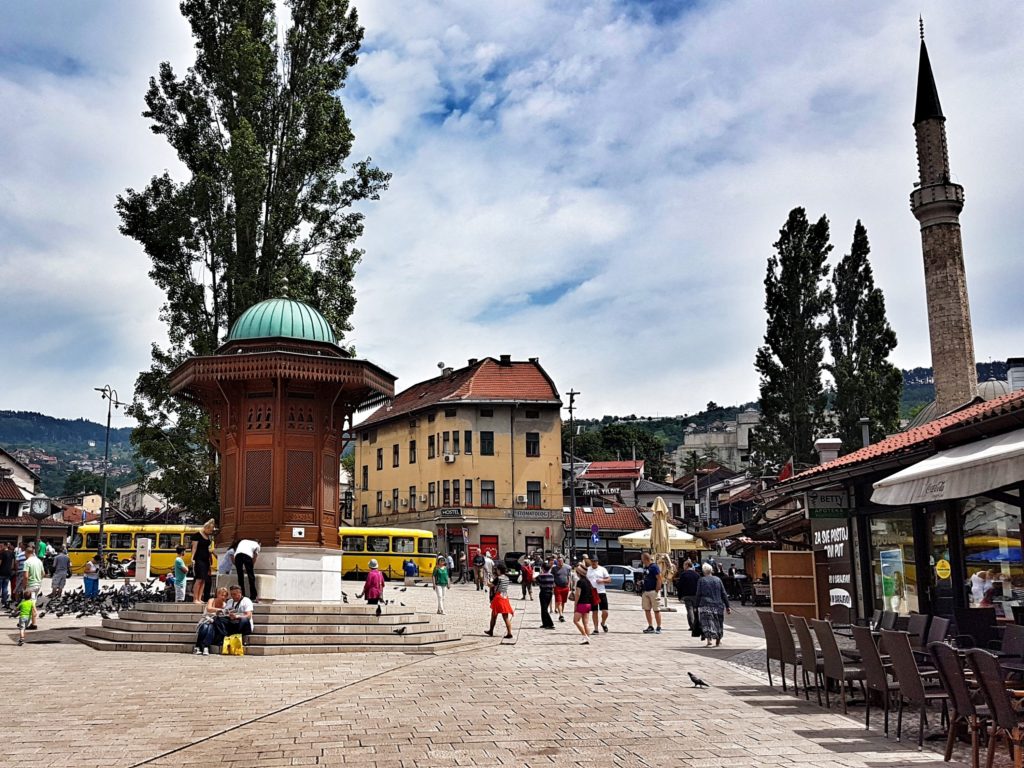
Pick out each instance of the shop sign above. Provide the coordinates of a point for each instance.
(833, 537)
(943, 570)
(535, 514)
(826, 505)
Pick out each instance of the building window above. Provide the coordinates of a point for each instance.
(486, 443)
(413, 423)
(366, 436)
(366, 478)
(455, 441)
(394, 499)
(412, 498)
(486, 493)
(380, 458)
(533, 414)
(412, 451)
(366, 514)
(533, 443)
(431, 495)
(469, 493)
(533, 495)
(446, 493)
(467, 443)
(394, 455)
(445, 443)
(456, 496)
(380, 502)
(449, 413)
(487, 412)
(431, 449)
(431, 417)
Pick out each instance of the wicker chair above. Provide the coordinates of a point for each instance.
(876, 677)
(962, 707)
(976, 628)
(834, 667)
(790, 655)
(772, 650)
(810, 657)
(911, 681)
(917, 628)
(1005, 718)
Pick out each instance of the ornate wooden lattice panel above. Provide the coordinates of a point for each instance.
(298, 482)
(258, 467)
(301, 417)
(330, 465)
(227, 482)
(260, 418)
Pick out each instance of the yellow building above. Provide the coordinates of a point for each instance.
(474, 453)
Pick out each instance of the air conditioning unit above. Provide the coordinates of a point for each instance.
(405, 502)
(520, 499)
(387, 505)
(449, 458)
(423, 498)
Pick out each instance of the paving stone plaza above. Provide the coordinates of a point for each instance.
(540, 699)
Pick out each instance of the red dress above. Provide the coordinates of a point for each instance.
(499, 603)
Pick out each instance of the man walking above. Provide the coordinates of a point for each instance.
(526, 577)
(651, 601)
(599, 579)
(546, 585)
(489, 566)
(246, 552)
(18, 583)
(562, 573)
(478, 571)
(686, 585)
(33, 572)
(61, 571)
(6, 573)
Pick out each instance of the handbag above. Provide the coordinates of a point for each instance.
(696, 631)
(232, 646)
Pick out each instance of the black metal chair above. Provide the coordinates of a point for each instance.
(911, 682)
(888, 620)
(790, 655)
(811, 659)
(976, 628)
(917, 628)
(834, 667)
(1006, 721)
(772, 650)
(962, 707)
(876, 677)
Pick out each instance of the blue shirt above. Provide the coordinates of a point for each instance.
(410, 568)
(651, 573)
(180, 571)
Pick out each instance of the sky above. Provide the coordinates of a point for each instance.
(595, 184)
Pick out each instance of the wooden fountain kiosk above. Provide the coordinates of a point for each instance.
(280, 394)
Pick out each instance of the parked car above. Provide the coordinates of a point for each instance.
(625, 577)
(511, 561)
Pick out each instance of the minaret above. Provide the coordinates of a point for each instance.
(936, 203)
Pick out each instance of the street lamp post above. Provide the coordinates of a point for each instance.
(110, 395)
(572, 475)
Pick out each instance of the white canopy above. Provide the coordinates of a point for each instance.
(677, 539)
(957, 473)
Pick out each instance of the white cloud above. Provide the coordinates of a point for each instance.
(642, 169)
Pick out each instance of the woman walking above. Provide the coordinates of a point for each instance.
(712, 605)
(585, 598)
(441, 581)
(500, 606)
(373, 588)
(202, 560)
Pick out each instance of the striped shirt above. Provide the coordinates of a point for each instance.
(546, 581)
(501, 585)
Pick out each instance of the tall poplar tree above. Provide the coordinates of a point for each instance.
(790, 362)
(265, 206)
(860, 341)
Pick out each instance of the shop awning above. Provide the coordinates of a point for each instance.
(725, 532)
(957, 473)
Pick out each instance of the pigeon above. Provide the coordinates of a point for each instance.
(697, 682)
(344, 597)
(378, 611)
(402, 604)
(402, 589)
(399, 631)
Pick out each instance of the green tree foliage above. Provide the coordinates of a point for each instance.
(82, 481)
(265, 209)
(860, 341)
(792, 398)
(613, 442)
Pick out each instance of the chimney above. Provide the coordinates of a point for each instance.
(1015, 373)
(447, 372)
(535, 360)
(865, 430)
(473, 361)
(505, 360)
(828, 449)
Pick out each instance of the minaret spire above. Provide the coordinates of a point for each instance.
(936, 203)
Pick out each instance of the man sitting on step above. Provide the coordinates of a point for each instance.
(238, 620)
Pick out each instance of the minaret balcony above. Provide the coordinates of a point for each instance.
(949, 194)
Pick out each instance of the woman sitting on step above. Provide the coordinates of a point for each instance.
(207, 631)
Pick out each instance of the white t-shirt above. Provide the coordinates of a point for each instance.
(248, 547)
(243, 606)
(593, 576)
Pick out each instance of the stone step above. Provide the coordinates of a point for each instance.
(101, 644)
(417, 624)
(354, 608)
(388, 616)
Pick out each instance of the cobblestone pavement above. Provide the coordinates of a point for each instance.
(541, 699)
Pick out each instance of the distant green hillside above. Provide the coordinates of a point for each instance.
(919, 387)
(38, 430)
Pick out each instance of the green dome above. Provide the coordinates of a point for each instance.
(277, 318)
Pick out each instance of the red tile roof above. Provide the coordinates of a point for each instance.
(9, 491)
(626, 519)
(485, 381)
(611, 470)
(73, 515)
(918, 437)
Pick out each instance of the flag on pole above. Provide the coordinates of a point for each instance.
(787, 470)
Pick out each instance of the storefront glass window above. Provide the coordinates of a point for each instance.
(992, 552)
(892, 562)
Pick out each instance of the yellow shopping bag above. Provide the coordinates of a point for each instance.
(232, 646)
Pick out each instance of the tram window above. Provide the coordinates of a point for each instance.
(352, 543)
(92, 541)
(121, 541)
(150, 536)
(169, 540)
(403, 545)
(378, 543)
(426, 546)
(76, 543)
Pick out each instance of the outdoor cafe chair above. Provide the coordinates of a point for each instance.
(911, 683)
(962, 705)
(834, 666)
(810, 657)
(876, 620)
(1013, 641)
(917, 628)
(888, 620)
(1005, 718)
(976, 628)
(876, 677)
(772, 649)
(841, 618)
(790, 655)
